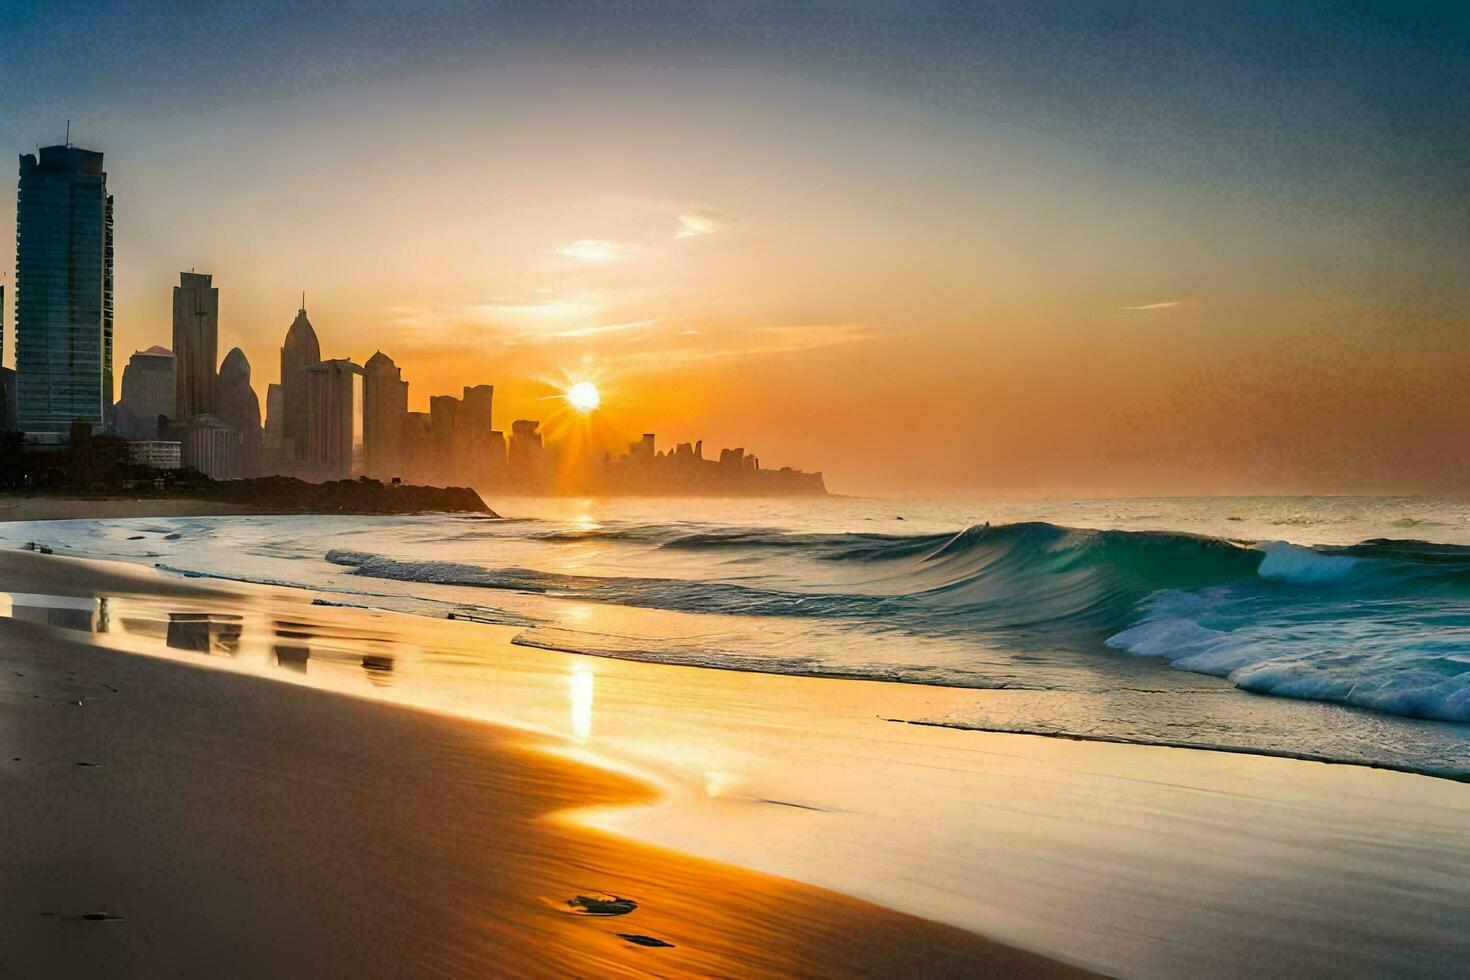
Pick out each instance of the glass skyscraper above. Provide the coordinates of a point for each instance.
(63, 303)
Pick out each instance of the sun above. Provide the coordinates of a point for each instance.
(583, 396)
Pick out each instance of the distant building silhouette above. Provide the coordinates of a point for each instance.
(385, 411)
(8, 420)
(207, 443)
(420, 461)
(474, 439)
(196, 345)
(239, 406)
(272, 440)
(477, 402)
(63, 264)
(147, 393)
(527, 462)
(299, 352)
(334, 425)
(443, 417)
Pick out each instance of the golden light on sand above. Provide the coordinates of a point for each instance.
(583, 396)
(580, 694)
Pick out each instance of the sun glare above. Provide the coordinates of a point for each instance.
(583, 396)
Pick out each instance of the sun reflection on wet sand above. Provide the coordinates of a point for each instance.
(802, 777)
(580, 682)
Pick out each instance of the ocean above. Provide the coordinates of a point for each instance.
(1328, 628)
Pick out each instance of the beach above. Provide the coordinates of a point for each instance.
(61, 507)
(165, 819)
(263, 780)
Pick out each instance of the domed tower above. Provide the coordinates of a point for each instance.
(237, 403)
(299, 352)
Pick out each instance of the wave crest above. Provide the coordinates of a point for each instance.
(1383, 624)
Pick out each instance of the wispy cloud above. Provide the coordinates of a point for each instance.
(751, 342)
(599, 251)
(1153, 306)
(534, 310)
(604, 329)
(693, 224)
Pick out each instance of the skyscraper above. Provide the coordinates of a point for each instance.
(334, 427)
(147, 393)
(196, 345)
(299, 352)
(7, 378)
(385, 408)
(63, 276)
(475, 447)
(238, 405)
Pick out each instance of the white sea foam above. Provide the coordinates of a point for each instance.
(1287, 562)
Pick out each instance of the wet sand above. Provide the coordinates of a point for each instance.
(162, 819)
(1132, 860)
(47, 507)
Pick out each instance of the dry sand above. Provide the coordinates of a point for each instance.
(234, 826)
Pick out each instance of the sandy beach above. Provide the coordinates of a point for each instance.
(61, 507)
(167, 820)
(265, 781)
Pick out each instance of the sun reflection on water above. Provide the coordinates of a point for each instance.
(580, 691)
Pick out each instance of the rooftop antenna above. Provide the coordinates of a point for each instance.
(68, 134)
(303, 301)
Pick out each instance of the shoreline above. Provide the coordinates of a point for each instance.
(1034, 841)
(1264, 753)
(329, 835)
(47, 507)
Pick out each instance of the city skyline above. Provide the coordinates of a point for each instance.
(1184, 283)
(329, 418)
(326, 418)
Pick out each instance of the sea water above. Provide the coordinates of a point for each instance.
(1161, 620)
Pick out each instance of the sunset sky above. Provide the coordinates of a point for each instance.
(1026, 248)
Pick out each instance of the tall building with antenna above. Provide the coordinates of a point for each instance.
(63, 279)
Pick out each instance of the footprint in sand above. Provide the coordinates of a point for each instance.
(601, 905)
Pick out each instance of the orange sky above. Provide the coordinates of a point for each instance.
(904, 298)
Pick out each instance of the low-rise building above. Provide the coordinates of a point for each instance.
(159, 454)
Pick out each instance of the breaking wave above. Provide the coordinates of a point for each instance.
(1384, 624)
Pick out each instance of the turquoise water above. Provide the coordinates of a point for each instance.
(1361, 603)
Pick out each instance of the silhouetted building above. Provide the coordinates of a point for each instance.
(299, 352)
(384, 412)
(419, 456)
(8, 422)
(207, 443)
(196, 345)
(334, 426)
(685, 471)
(476, 410)
(527, 457)
(472, 445)
(495, 454)
(147, 393)
(272, 440)
(443, 413)
(63, 276)
(240, 407)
